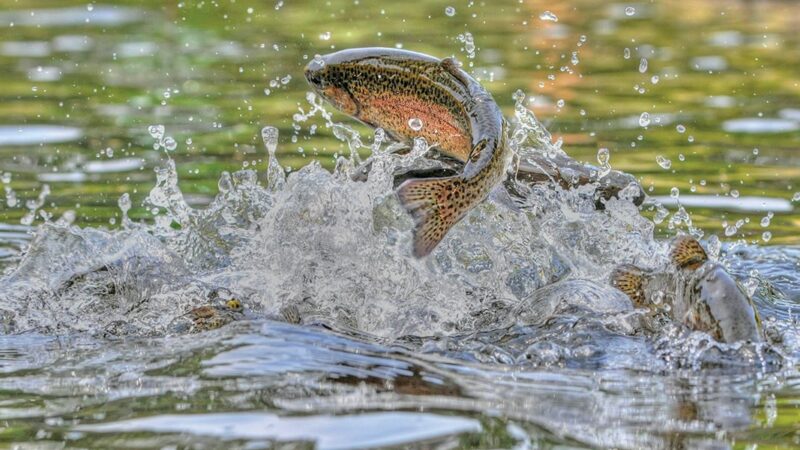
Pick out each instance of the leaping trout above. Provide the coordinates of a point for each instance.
(410, 95)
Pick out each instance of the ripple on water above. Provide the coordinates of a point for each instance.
(744, 204)
(25, 48)
(327, 432)
(113, 165)
(37, 134)
(98, 15)
(756, 125)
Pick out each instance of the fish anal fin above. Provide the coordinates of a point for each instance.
(687, 253)
(435, 204)
(630, 280)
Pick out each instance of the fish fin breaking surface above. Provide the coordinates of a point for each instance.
(630, 280)
(687, 253)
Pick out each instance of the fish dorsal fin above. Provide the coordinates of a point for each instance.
(452, 67)
(630, 280)
(687, 253)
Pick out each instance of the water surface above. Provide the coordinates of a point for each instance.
(508, 336)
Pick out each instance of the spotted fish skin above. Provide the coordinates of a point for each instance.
(387, 88)
(695, 291)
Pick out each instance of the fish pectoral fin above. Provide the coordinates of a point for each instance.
(435, 204)
(687, 253)
(630, 280)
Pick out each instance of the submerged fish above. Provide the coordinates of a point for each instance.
(695, 291)
(411, 95)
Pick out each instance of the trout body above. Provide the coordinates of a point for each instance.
(695, 291)
(412, 95)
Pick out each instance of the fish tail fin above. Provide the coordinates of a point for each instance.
(687, 253)
(436, 204)
(630, 280)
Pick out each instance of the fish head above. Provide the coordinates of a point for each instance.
(719, 305)
(330, 80)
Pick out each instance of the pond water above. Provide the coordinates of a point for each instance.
(137, 185)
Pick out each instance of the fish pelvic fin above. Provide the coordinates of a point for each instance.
(687, 253)
(436, 204)
(630, 280)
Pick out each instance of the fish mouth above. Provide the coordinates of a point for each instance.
(314, 73)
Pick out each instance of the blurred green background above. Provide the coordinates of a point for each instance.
(720, 87)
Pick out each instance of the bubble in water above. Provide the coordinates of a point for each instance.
(796, 197)
(681, 129)
(766, 236)
(654, 79)
(574, 59)
(644, 119)
(674, 192)
(548, 16)
(643, 65)
(415, 124)
(450, 11)
(325, 36)
(626, 53)
(734, 193)
(156, 131)
(663, 162)
(560, 103)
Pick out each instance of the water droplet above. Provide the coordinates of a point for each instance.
(469, 44)
(270, 137)
(674, 192)
(766, 219)
(630, 10)
(450, 11)
(415, 124)
(643, 65)
(663, 162)
(170, 144)
(644, 119)
(156, 131)
(548, 16)
(681, 129)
